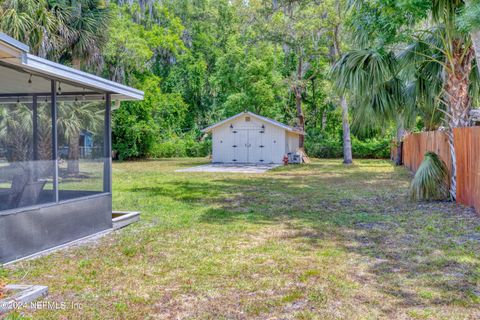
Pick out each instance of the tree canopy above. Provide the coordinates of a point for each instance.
(204, 60)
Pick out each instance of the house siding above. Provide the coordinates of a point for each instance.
(292, 142)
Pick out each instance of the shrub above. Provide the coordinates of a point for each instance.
(167, 149)
(133, 131)
(176, 147)
(371, 148)
(326, 148)
(333, 148)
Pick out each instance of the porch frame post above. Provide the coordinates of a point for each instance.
(54, 113)
(35, 126)
(107, 144)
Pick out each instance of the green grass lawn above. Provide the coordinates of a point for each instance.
(318, 241)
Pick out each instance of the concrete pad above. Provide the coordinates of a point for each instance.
(23, 295)
(234, 168)
(121, 219)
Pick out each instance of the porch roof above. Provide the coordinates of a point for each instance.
(18, 66)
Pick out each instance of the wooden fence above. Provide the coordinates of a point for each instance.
(417, 144)
(467, 154)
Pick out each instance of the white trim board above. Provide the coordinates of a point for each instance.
(271, 121)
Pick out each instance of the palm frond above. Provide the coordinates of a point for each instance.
(446, 10)
(362, 70)
(423, 73)
(431, 180)
(376, 91)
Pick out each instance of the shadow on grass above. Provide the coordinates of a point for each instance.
(434, 245)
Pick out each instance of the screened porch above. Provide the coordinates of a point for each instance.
(55, 151)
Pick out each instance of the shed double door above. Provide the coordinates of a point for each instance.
(248, 146)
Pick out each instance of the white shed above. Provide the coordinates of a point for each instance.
(250, 138)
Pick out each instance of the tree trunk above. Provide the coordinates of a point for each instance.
(457, 97)
(73, 166)
(298, 103)
(76, 63)
(400, 134)
(301, 118)
(457, 85)
(324, 119)
(347, 142)
(453, 178)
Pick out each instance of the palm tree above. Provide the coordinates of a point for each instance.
(371, 77)
(347, 141)
(31, 22)
(432, 74)
(16, 132)
(73, 30)
(83, 35)
(72, 118)
(86, 22)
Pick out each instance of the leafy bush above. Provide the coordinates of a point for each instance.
(133, 131)
(333, 148)
(325, 148)
(181, 147)
(371, 148)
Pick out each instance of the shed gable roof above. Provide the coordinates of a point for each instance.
(268, 120)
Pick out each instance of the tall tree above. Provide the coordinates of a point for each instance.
(298, 27)
(440, 48)
(83, 37)
(31, 22)
(72, 118)
(84, 34)
(336, 54)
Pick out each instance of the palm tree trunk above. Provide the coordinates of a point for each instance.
(73, 166)
(347, 142)
(45, 151)
(458, 98)
(400, 134)
(76, 63)
(337, 53)
(453, 169)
